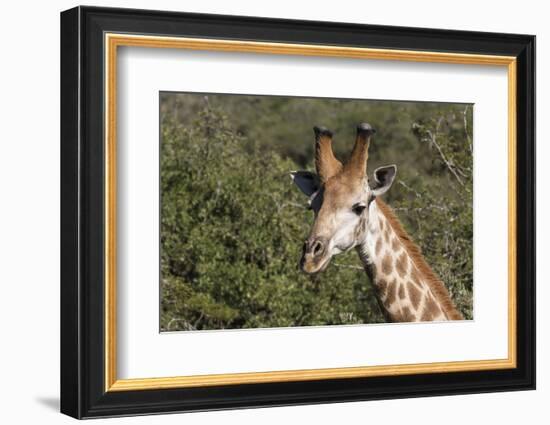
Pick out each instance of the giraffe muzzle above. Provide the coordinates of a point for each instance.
(314, 255)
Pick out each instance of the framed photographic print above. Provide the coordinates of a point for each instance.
(261, 212)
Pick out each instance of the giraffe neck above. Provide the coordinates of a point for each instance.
(406, 288)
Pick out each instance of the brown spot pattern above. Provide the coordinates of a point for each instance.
(391, 292)
(381, 223)
(406, 315)
(387, 235)
(402, 291)
(395, 244)
(426, 316)
(402, 264)
(431, 310)
(387, 264)
(415, 277)
(378, 246)
(382, 286)
(414, 295)
(425, 274)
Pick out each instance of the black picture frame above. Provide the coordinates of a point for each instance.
(83, 392)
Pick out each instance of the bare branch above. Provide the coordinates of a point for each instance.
(406, 186)
(281, 205)
(420, 209)
(348, 266)
(465, 117)
(443, 157)
(186, 325)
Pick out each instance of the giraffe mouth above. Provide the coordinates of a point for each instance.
(314, 267)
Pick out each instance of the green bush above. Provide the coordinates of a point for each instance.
(232, 223)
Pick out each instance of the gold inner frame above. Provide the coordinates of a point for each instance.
(113, 41)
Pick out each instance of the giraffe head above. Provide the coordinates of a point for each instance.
(340, 197)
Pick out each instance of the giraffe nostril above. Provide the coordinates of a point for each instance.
(317, 247)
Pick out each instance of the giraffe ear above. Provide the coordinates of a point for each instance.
(306, 181)
(383, 179)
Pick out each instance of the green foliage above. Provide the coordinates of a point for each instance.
(438, 213)
(232, 223)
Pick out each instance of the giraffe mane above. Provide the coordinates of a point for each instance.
(415, 253)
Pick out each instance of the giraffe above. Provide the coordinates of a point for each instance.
(349, 214)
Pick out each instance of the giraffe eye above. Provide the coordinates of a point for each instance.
(358, 208)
